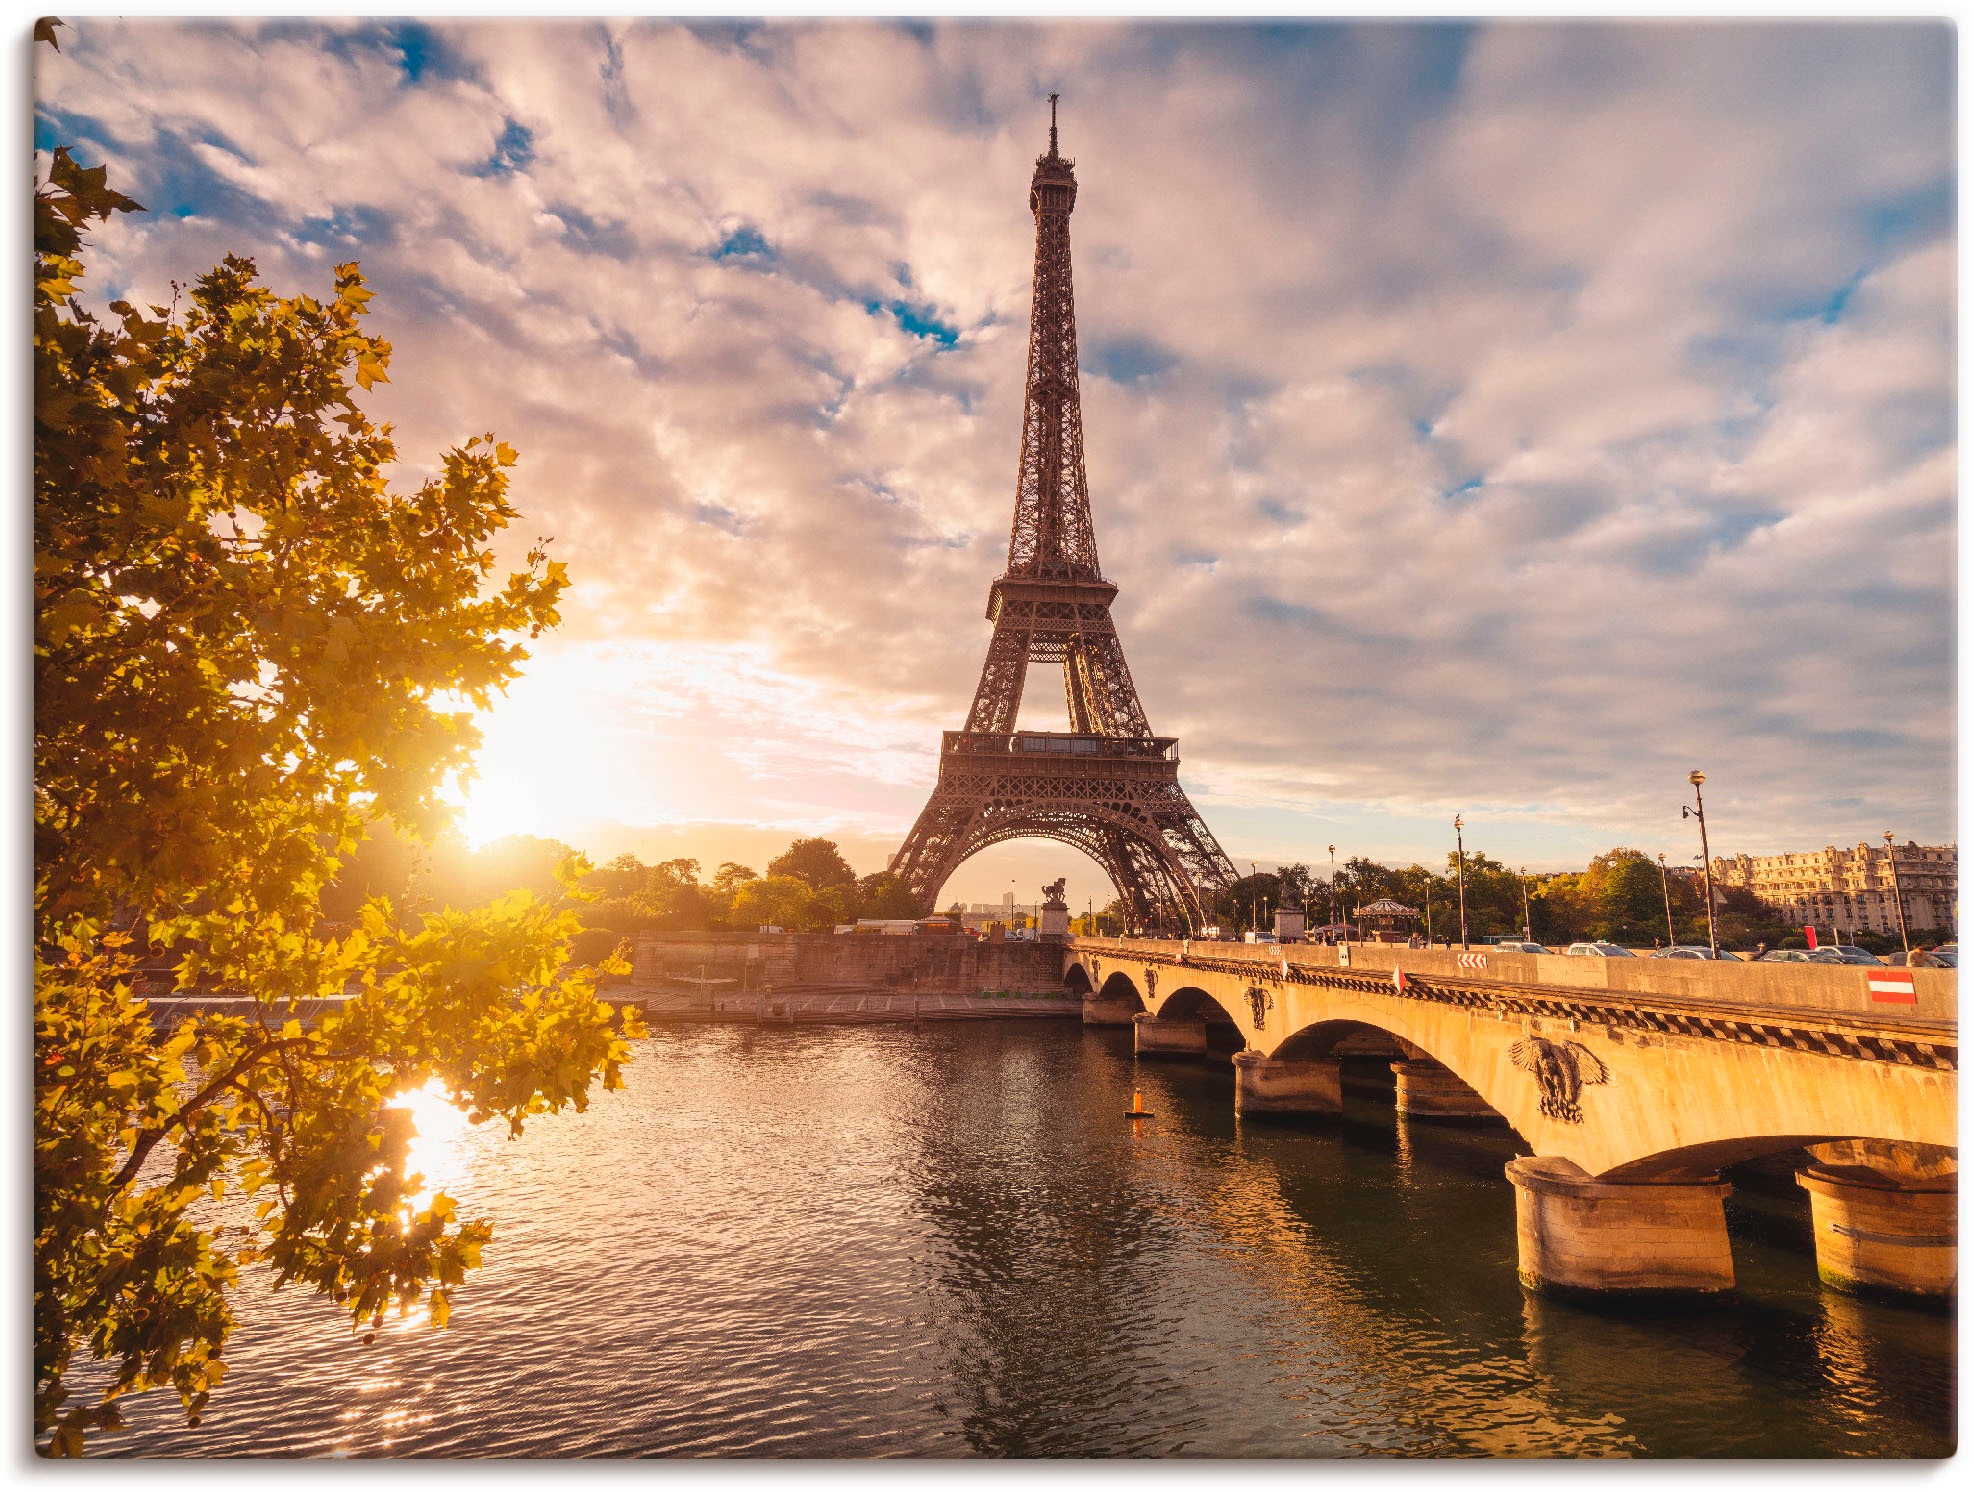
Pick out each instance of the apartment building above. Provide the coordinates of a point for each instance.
(1850, 890)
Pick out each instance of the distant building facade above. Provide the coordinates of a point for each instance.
(1851, 890)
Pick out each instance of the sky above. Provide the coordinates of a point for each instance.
(1499, 420)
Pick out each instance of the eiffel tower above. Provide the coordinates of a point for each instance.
(1107, 785)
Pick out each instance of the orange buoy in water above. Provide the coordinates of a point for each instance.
(1137, 1109)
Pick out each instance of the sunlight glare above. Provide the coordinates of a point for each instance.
(438, 1151)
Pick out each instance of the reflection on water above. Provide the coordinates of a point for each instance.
(439, 1149)
(947, 1240)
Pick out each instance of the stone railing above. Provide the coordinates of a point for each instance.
(1834, 989)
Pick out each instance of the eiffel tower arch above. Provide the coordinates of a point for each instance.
(1106, 786)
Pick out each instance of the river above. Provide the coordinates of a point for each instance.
(945, 1240)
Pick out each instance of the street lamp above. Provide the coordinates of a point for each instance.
(1460, 861)
(1898, 896)
(1333, 884)
(1699, 811)
(1665, 890)
(1528, 927)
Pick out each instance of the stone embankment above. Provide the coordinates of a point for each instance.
(816, 977)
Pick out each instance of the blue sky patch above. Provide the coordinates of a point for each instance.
(919, 321)
(513, 151)
(745, 242)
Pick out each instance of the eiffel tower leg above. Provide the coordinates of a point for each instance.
(936, 845)
(997, 702)
(1111, 699)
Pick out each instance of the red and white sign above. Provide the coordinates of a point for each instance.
(1473, 960)
(1892, 987)
(1398, 980)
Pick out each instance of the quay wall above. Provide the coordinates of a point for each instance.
(764, 961)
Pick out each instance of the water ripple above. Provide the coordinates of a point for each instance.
(943, 1241)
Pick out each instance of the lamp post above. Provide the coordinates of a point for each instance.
(1528, 926)
(1665, 890)
(1699, 811)
(1898, 896)
(1333, 884)
(1460, 864)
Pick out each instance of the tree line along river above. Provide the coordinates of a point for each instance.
(946, 1240)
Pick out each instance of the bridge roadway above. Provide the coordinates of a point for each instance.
(1632, 1081)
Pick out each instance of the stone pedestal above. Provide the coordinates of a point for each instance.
(1882, 1234)
(1098, 1011)
(1152, 1037)
(1289, 924)
(1052, 923)
(1574, 1234)
(1428, 1091)
(1267, 1085)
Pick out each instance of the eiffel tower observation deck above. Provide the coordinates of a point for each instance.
(1108, 785)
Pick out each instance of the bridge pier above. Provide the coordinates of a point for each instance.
(1882, 1233)
(1098, 1011)
(1152, 1037)
(1284, 1085)
(1575, 1234)
(1427, 1090)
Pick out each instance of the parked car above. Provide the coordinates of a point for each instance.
(1843, 953)
(1946, 956)
(1598, 950)
(1692, 950)
(1785, 956)
(1520, 947)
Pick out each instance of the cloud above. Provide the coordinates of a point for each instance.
(1497, 418)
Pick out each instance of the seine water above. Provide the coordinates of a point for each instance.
(946, 1240)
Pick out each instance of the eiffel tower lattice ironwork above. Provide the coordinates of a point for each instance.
(1107, 785)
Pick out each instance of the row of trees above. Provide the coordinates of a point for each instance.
(809, 887)
(1622, 896)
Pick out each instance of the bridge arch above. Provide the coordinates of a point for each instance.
(1189, 1002)
(1861, 1153)
(1119, 985)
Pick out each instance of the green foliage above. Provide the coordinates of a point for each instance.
(775, 901)
(816, 861)
(1249, 903)
(248, 651)
(885, 895)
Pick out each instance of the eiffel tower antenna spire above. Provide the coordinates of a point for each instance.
(1107, 786)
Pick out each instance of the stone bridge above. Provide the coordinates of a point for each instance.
(1632, 1082)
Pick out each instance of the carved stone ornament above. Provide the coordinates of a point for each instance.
(1562, 1069)
(1260, 1002)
